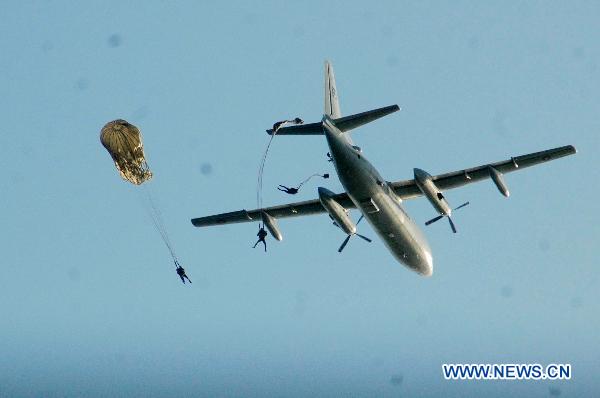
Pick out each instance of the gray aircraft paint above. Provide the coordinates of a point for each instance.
(378, 200)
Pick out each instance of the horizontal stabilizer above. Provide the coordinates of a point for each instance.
(344, 124)
(348, 123)
(301, 129)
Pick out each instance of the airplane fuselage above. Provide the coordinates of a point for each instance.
(378, 203)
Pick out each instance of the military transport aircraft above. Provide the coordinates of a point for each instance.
(379, 201)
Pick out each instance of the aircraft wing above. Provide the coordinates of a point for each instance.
(408, 189)
(404, 189)
(282, 211)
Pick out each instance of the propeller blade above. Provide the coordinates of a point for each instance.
(461, 206)
(452, 225)
(364, 237)
(434, 219)
(360, 219)
(344, 243)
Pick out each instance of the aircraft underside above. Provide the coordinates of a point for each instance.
(378, 200)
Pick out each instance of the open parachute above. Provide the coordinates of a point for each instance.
(124, 143)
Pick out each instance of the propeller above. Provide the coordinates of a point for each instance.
(345, 242)
(449, 218)
(461, 206)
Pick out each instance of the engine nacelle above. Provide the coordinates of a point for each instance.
(499, 181)
(336, 211)
(431, 192)
(271, 224)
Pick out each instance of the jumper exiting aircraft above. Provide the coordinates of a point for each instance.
(379, 201)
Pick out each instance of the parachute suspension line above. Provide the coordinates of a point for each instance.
(160, 230)
(261, 168)
(314, 175)
(157, 220)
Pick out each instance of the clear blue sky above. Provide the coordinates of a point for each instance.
(89, 302)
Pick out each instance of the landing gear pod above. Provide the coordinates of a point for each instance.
(271, 224)
(499, 181)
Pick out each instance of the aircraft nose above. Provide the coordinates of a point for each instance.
(426, 264)
(420, 262)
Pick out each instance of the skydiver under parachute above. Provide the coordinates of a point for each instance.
(262, 234)
(123, 141)
(181, 272)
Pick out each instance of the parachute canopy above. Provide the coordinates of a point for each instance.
(124, 143)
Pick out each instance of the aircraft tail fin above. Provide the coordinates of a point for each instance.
(332, 112)
(332, 104)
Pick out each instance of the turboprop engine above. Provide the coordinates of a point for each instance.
(340, 216)
(425, 183)
(432, 193)
(337, 213)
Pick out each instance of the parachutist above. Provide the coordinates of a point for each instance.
(262, 234)
(277, 125)
(181, 273)
(291, 191)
